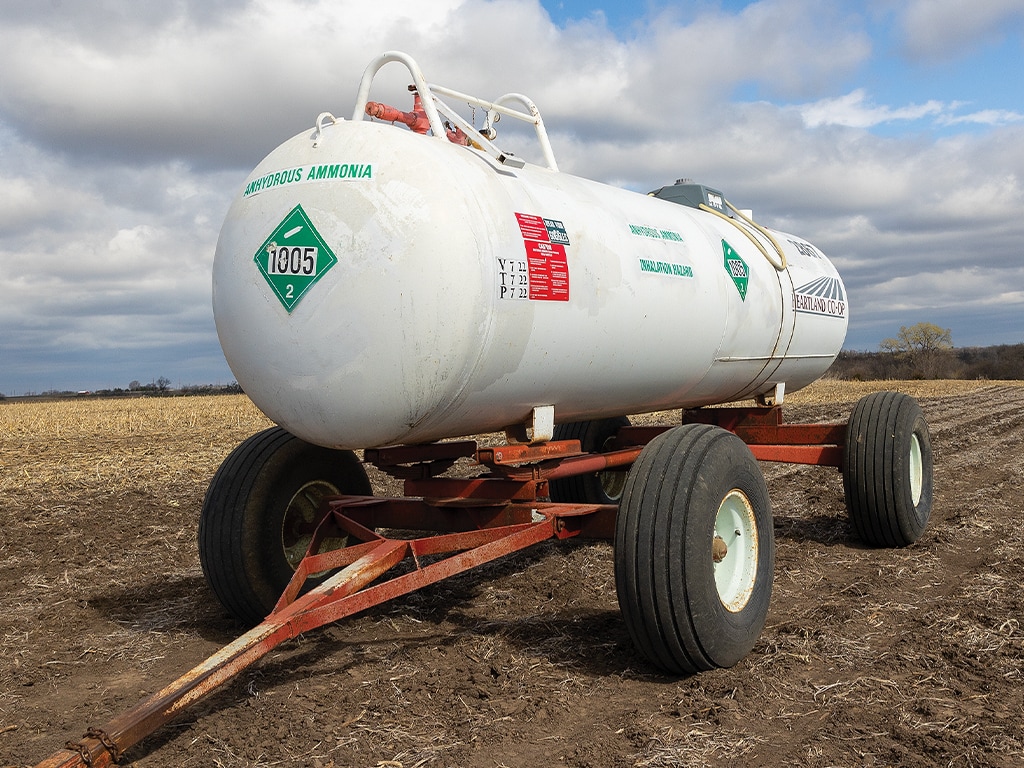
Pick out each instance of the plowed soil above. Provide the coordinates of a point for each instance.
(907, 657)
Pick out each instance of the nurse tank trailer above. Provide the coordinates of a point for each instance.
(388, 284)
(399, 279)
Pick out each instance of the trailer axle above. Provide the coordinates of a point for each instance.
(351, 590)
(475, 520)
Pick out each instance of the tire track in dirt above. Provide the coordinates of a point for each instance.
(890, 651)
(908, 657)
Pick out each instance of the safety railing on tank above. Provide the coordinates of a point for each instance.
(435, 108)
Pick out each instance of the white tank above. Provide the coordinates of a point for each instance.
(374, 286)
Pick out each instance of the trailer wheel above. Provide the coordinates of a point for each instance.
(258, 516)
(887, 470)
(593, 487)
(694, 550)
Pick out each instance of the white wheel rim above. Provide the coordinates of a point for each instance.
(916, 469)
(300, 514)
(736, 572)
(613, 481)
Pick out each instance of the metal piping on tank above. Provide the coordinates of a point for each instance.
(417, 120)
(781, 264)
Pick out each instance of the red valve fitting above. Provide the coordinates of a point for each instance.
(458, 136)
(416, 120)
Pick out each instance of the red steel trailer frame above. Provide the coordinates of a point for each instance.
(473, 521)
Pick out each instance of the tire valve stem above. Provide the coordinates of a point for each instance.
(719, 549)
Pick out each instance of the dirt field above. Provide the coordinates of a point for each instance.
(911, 657)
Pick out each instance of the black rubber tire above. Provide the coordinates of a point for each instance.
(593, 487)
(242, 535)
(665, 574)
(887, 470)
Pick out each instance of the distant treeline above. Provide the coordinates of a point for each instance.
(157, 389)
(1004, 361)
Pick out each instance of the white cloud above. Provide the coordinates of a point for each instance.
(148, 88)
(988, 117)
(855, 111)
(961, 287)
(936, 29)
(129, 127)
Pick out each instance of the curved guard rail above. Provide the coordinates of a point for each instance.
(434, 107)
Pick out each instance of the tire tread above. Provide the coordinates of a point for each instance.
(875, 460)
(668, 623)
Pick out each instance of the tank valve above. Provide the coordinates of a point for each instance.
(457, 136)
(416, 120)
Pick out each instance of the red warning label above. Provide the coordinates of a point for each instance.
(545, 266)
(532, 227)
(549, 271)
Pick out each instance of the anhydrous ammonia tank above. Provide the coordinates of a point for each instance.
(375, 286)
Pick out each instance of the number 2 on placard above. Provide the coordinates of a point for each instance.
(290, 293)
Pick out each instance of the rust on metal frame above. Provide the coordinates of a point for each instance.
(771, 439)
(765, 433)
(520, 453)
(482, 533)
(352, 589)
(480, 519)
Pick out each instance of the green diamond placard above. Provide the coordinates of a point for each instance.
(294, 257)
(737, 269)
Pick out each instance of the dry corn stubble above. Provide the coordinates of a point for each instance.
(906, 657)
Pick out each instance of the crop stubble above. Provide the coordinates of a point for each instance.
(871, 657)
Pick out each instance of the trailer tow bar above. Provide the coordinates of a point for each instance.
(474, 520)
(503, 511)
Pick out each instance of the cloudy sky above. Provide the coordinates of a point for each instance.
(888, 133)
